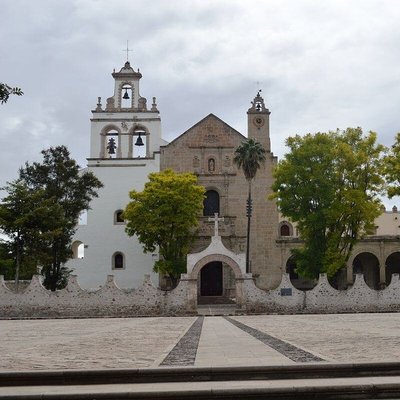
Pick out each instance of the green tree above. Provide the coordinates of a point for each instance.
(20, 218)
(6, 91)
(329, 185)
(6, 261)
(163, 215)
(392, 169)
(67, 192)
(249, 156)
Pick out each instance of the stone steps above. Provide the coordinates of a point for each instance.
(308, 381)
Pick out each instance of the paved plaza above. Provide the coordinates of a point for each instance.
(198, 341)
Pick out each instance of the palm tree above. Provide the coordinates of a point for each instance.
(249, 156)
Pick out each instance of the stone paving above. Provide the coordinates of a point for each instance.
(147, 342)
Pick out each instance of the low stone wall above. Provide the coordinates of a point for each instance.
(323, 298)
(110, 301)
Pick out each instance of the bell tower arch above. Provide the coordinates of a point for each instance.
(125, 110)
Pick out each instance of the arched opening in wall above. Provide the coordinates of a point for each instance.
(211, 203)
(211, 165)
(368, 265)
(139, 149)
(118, 260)
(339, 280)
(298, 281)
(126, 96)
(118, 217)
(111, 144)
(217, 284)
(392, 266)
(78, 249)
(285, 229)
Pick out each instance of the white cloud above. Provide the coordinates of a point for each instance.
(322, 64)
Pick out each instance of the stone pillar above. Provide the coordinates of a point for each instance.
(191, 294)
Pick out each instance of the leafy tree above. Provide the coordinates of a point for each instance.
(392, 169)
(163, 215)
(6, 261)
(329, 184)
(66, 193)
(249, 156)
(6, 91)
(20, 218)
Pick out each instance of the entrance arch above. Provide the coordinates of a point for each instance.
(212, 279)
(212, 267)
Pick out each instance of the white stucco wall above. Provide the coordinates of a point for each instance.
(102, 237)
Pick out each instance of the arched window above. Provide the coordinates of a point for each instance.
(126, 96)
(118, 217)
(118, 261)
(78, 249)
(211, 203)
(285, 229)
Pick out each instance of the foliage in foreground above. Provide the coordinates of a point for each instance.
(40, 213)
(329, 184)
(163, 215)
(6, 91)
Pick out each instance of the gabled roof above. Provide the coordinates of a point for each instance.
(211, 115)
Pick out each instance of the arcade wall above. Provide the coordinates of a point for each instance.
(146, 300)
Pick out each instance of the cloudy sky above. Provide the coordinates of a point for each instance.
(322, 65)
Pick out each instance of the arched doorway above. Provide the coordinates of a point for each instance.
(392, 266)
(218, 279)
(368, 265)
(211, 279)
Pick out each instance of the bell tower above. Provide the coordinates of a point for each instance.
(125, 142)
(258, 122)
(126, 128)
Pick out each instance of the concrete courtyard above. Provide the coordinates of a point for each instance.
(198, 341)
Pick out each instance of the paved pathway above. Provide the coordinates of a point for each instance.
(199, 341)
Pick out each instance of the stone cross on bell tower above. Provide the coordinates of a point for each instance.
(215, 219)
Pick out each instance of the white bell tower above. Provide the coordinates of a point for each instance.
(125, 145)
(126, 128)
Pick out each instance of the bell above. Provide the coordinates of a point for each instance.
(139, 141)
(126, 95)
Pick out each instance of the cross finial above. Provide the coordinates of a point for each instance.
(127, 50)
(215, 219)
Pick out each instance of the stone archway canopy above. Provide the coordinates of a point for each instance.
(216, 251)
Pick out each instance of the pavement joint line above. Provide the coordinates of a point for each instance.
(290, 351)
(184, 352)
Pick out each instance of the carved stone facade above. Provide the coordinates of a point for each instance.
(207, 149)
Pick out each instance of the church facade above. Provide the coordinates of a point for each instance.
(126, 145)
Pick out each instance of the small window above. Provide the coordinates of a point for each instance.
(118, 261)
(285, 229)
(119, 217)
